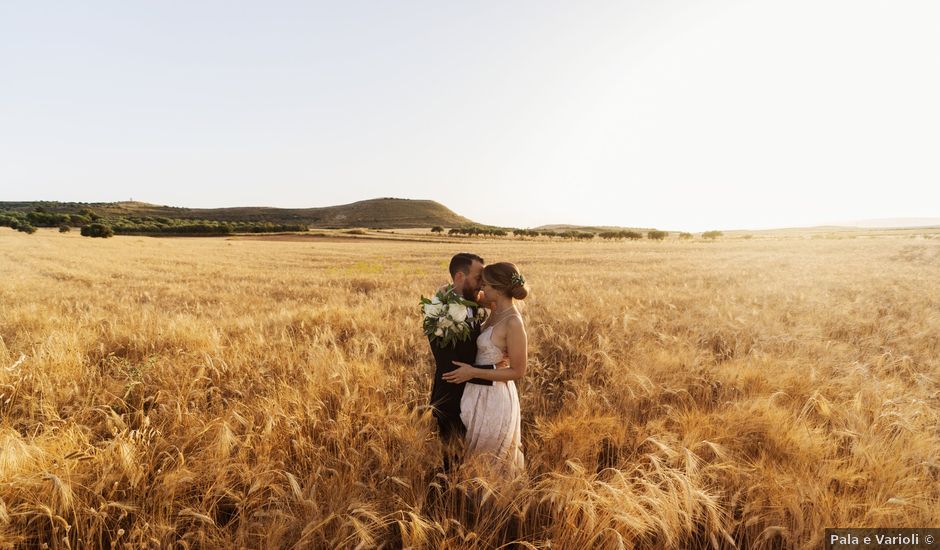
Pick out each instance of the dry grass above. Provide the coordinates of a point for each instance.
(206, 393)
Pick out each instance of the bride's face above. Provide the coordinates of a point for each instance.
(490, 294)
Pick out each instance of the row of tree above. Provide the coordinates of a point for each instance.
(93, 225)
(654, 234)
(201, 227)
(16, 223)
(472, 231)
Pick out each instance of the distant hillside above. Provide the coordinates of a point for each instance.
(388, 213)
(890, 223)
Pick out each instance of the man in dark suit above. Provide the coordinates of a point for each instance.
(466, 272)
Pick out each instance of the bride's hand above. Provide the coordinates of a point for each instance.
(461, 375)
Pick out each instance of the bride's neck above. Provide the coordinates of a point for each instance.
(502, 305)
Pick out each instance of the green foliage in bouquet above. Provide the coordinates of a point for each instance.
(448, 317)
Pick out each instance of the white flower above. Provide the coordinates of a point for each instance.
(445, 323)
(435, 299)
(439, 332)
(433, 310)
(457, 312)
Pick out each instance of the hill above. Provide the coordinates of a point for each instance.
(894, 223)
(383, 212)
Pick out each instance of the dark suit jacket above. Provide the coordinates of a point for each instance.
(445, 396)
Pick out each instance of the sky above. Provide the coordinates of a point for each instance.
(680, 115)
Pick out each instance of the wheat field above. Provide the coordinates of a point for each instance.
(226, 393)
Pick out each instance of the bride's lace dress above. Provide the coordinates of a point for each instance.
(492, 417)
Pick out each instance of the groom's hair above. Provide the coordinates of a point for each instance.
(462, 261)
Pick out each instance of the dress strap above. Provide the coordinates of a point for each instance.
(503, 319)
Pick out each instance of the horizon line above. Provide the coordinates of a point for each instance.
(865, 223)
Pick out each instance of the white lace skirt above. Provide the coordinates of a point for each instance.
(494, 427)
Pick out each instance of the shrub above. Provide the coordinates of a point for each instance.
(26, 228)
(437, 229)
(97, 230)
(88, 213)
(64, 228)
(41, 218)
(685, 236)
(655, 235)
(712, 234)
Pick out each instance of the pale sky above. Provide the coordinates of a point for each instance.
(677, 115)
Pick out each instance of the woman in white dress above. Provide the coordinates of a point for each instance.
(491, 413)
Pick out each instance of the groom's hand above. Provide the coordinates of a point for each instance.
(503, 363)
(459, 375)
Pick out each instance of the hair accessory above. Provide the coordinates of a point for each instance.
(518, 279)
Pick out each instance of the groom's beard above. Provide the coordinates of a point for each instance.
(470, 294)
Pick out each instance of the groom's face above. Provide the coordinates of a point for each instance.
(473, 281)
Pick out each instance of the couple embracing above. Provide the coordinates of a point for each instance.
(474, 398)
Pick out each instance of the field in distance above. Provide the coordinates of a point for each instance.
(229, 393)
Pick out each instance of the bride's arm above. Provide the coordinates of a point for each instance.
(516, 344)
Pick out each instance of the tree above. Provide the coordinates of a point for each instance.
(97, 230)
(89, 213)
(655, 235)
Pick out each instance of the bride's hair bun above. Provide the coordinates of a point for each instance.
(505, 277)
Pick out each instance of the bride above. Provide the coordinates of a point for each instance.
(491, 412)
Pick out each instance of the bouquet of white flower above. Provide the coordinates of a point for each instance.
(448, 317)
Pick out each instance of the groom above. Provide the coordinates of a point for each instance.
(466, 271)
